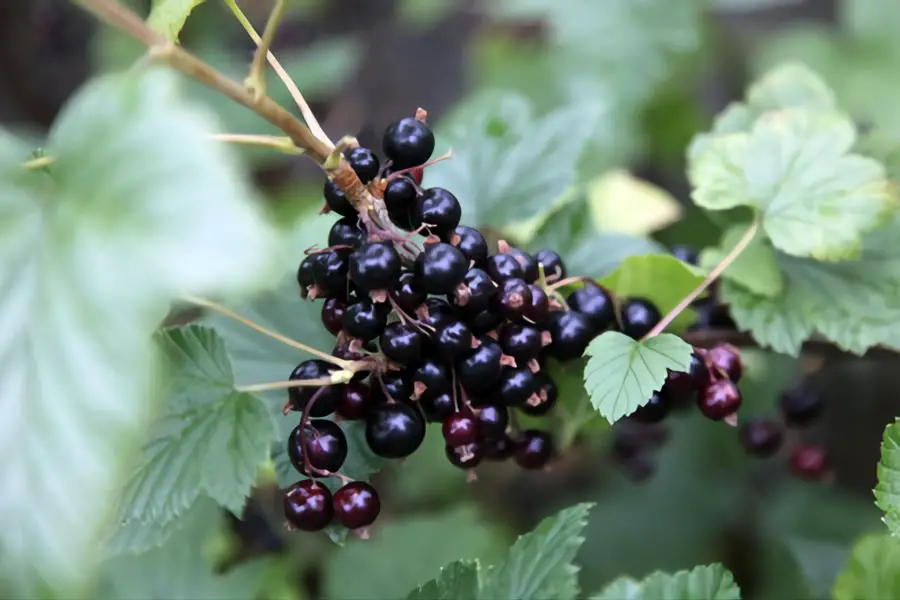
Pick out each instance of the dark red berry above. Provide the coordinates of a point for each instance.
(409, 293)
(356, 505)
(441, 268)
(432, 377)
(364, 320)
(546, 397)
(639, 317)
(332, 313)
(364, 162)
(492, 420)
(760, 436)
(570, 332)
(408, 143)
(504, 266)
(527, 262)
(394, 430)
(516, 386)
(438, 210)
(465, 457)
(330, 273)
(512, 298)
(402, 343)
(437, 407)
(451, 341)
(400, 194)
(534, 449)
(337, 200)
(307, 505)
(355, 401)
(801, 405)
(460, 429)
(471, 243)
(681, 383)
(719, 399)
(326, 446)
(810, 462)
(375, 266)
(477, 294)
(481, 369)
(727, 359)
(521, 342)
(654, 411)
(554, 269)
(595, 303)
(327, 397)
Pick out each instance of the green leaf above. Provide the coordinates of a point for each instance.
(539, 565)
(169, 16)
(623, 203)
(211, 440)
(457, 580)
(755, 268)
(708, 582)
(819, 561)
(887, 492)
(139, 208)
(623, 373)
(795, 166)
(660, 278)
(873, 570)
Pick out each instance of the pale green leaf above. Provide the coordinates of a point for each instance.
(755, 268)
(660, 278)
(623, 203)
(456, 581)
(139, 208)
(887, 492)
(169, 16)
(212, 439)
(708, 582)
(819, 561)
(873, 570)
(539, 564)
(623, 373)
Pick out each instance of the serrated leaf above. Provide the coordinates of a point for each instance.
(457, 580)
(169, 16)
(873, 570)
(140, 207)
(623, 373)
(539, 564)
(708, 582)
(211, 440)
(887, 491)
(623, 203)
(816, 197)
(660, 278)
(755, 268)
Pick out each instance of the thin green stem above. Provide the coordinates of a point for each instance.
(256, 80)
(336, 378)
(276, 142)
(40, 162)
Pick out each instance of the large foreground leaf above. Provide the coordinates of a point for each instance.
(887, 492)
(873, 570)
(709, 582)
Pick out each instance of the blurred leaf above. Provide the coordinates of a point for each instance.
(887, 492)
(873, 570)
(457, 580)
(623, 203)
(169, 16)
(139, 208)
(424, 13)
(819, 561)
(408, 552)
(710, 582)
(427, 476)
(539, 565)
(755, 268)
(660, 278)
(212, 439)
(871, 19)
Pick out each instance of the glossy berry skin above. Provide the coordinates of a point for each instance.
(395, 385)
(451, 341)
(375, 266)
(402, 343)
(355, 402)
(460, 429)
(346, 232)
(801, 406)
(538, 310)
(571, 333)
(305, 272)
(437, 407)
(332, 313)
(299, 397)
(439, 209)
(492, 420)
(547, 393)
(364, 320)
(760, 436)
(364, 162)
(654, 411)
(554, 269)
(437, 313)
(356, 505)
(681, 383)
(400, 194)
(409, 293)
(527, 262)
(481, 369)
(471, 243)
(479, 292)
(685, 254)
(465, 457)
(485, 322)
(433, 375)
(394, 430)
(407, 143)
(337, 200)
(594, 303)
(727, 359)
(534, 449)
(326, 445)
(441, 268)
(402, 217)
(504, 266)
(330, 272)
(639, 316)
(512, 298)
(307, 505)
(516, 386)
(520, 341)
(810, 462)
(719, 399)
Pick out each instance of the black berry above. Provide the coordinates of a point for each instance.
(513, 298)
(408, 143)
(460, 429)
(437, 407)
(685, 254)
(681, 383)
(375, 266)
(485, 322)
(654, 411)
(520, 341)
(332, 312)
(534, 449)
(364, 320)
(719, 399)
(330, 272)
(356, 505)
(439, 210)
(492, 420)
(452, 340)
(760, 436)
(726, 359)
(337, 200)
(305, 272)
(394, 430)
(307, 505)
(355, 402)
(801, 406)
(441, 268)
(517, 386)
(346, 232)
(400, 194)
(527, 262)
(432, 377)
(471, 243)
(409, 293)
(502, 448)
(545, 399)
(478, 292)
(481, 369)
(504, 266)
(538, 310)
(396, 385)
(639, 316)
(327, 396)
(326, 446)
(402, 343)
(554, 269)
(364, 162)
(571, 332)
(465, 457)
(594, 303)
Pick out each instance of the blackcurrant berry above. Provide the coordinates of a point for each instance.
(439, 210)
(760, 436)
(364, 162)
(595, 303)
(493, 420)
(364, 320)
(685, 254)
(485, 322)
(478, 292)
(305, 272)
(451, 341)
(408, 143)
(400, 194)
(332, 313)
(465, 457)
(719, 399)
(432, 377)
(810, 462)
(527, 262)
(394, 430)
(402, 217)
(480, 370)
(554, 269)
(538, 309)
(654, 411)
(356, 505)
(639, 316)
(355, 402)
(460, 430)
(337, 200)
(326, 397)
(682, 383)
(326, 446)
(437, 313)
(307, 505)
(437, 407)
(801, 406)
(441, 268)
(534, 449)
(375, 266)
(512, 298)
(517, 386)
(520, 341)
(330, 272)
(504, 266)
(546, 397)
(639, 468)
(502, 448)
(346, 232)
(471, 243)
(402, 343)
(571, 332)
(409, 293)
(395, 385)
(727, 359)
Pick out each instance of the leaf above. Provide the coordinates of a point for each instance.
(457, 580)
(623, 373)
(212, 439)
(709, 582)
(140, 207)
(873, 570)
(539, 564)
(887, 492)
(169, 16)
(795, 166)
(660, 278)
(755, 268)
(819, 561)
(623, 203)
